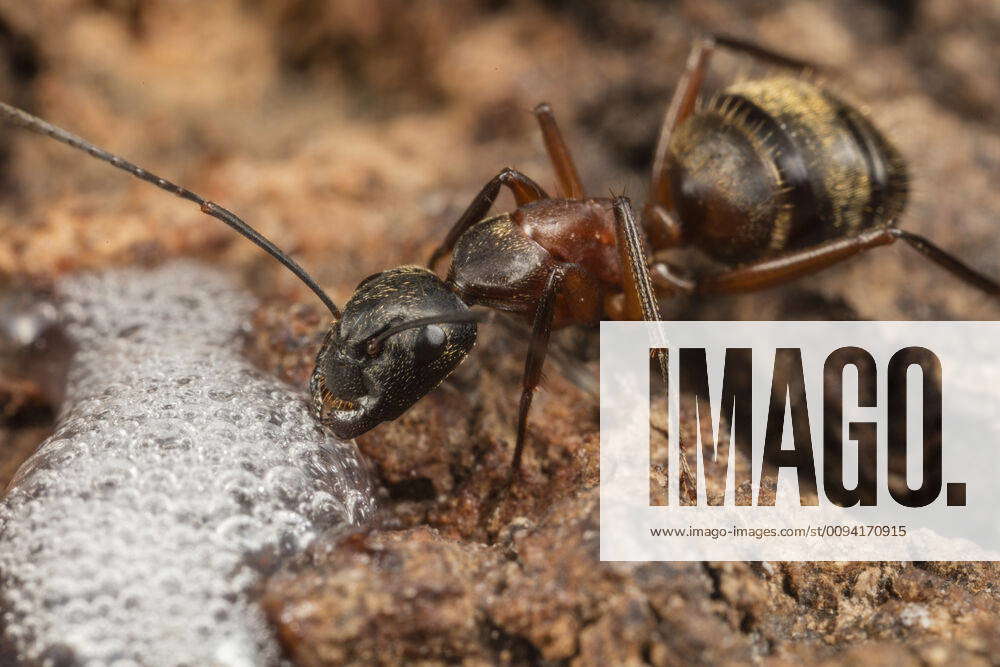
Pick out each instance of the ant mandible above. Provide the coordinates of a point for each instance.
(774, 178)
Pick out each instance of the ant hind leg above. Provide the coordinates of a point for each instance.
(788, 267)
(763, 53)
(680, 108)
(947, 261)
(664, 230)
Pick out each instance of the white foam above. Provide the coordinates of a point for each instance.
(178, 475)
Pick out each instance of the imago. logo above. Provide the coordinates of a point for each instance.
(800, 441)
(788, 396)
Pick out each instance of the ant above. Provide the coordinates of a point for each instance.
(774, 178)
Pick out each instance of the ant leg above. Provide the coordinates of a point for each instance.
(562, 161)
(680, 108)
(669, 281)
(640, 297)
(763, 53)
(540, 331)
(686, 93)
(523, 188)
(662, 228)
(788, 267)
(949, 262)
(664, 231)
(783, 269)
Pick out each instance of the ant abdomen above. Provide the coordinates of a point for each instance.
(778, 164)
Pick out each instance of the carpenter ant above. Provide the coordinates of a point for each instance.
(775, 178)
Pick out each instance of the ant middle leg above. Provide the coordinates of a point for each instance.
(569, 179)
(524, 189)
(640, 300)
(640, 295)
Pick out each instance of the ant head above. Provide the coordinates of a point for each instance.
(402, 332)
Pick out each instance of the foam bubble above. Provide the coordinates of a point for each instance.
(178, 476)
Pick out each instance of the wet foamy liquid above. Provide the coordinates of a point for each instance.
(178, 475)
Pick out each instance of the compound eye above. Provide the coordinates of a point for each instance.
(430, 343)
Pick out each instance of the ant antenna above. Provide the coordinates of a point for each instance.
(375, 344)
(25, 120)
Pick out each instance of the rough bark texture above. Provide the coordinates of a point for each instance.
(353, 134)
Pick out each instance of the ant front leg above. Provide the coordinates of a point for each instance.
(523, 188)
(540, 331)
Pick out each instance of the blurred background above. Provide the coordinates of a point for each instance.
(354, 132)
